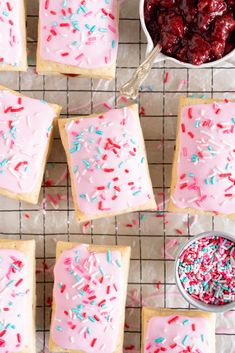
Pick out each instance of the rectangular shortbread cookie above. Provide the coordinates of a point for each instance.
(90, 283)
(13, 53)
(26, 133)
(17, 288)
(78, 38)
(107, 163)
(203, 176)
(177, 331)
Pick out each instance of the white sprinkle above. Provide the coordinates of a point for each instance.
(70, 125)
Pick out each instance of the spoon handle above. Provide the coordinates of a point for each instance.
(131, 88)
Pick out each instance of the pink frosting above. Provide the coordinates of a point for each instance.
(206, 178)
(79, 33)
(11, 40)
(177, 334)
(108, 163)
(88, 295)
(25, 126)
(14, 290)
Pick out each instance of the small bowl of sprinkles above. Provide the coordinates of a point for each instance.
(205, 271)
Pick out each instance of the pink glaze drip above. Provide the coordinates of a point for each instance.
(206, 178)
(14, 292)
(82, 34)
(107, 158)
(25, 126)
(88, 292)
(177, 334)
(11, 40)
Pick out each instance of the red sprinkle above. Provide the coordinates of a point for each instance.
(93, 342)
(108, 170)
(47, 4)
(190, 113)
(173, 319)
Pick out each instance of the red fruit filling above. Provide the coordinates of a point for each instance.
(193, 31)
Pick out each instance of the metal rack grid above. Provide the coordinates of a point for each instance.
(151, 279)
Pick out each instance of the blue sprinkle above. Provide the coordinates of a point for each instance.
(101, 270)
(75, 169)
(194, 158)
(103, 30)
(93, 28)
(91, 318)
(50, 128)
(78, 279)
(83, 8)
(91, 129)
(79, 316)
(136, 192)
(213, 180)
(99, 132)
(118, 263)
(185, 340)
(4, 162)
(87, 163)
(109, 256)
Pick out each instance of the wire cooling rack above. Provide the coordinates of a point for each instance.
(154, 236)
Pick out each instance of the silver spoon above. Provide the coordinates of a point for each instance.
(131, 88)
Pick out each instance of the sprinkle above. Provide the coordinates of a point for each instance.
(185, 340)
(173, 319)
(166, 77)
(108, 170)
(190, 113)
(109, 256)
(159, 340)
(93, 342)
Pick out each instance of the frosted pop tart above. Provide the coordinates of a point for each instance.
(108, 164)
(177, 331)
(13, 54)
(78, 37)
(26, 131)
(203, 175)
(90, 283)
(17, 288)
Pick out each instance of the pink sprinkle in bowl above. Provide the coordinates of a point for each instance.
(194, 302)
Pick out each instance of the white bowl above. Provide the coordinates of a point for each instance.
(162, 57)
